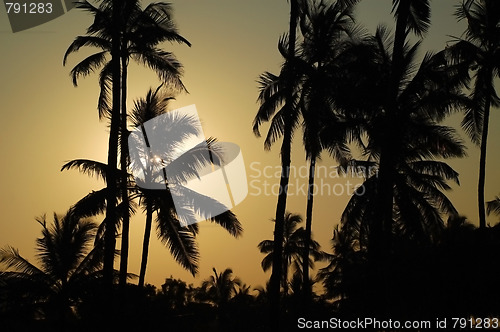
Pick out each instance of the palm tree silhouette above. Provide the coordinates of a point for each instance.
(283, 123)
(411, 15)
(404, 129)
(493, 206)
(221, 287)
(344, 273)
(324, 28)
(154, 105)
(294, 240)
(139, 33)
(70, 268)
(429, 93)
(144, 29)
(180, 240)
(479, 50)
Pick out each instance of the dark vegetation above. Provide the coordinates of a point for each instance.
(401, 250)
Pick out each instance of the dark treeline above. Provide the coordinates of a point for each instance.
(400, 251)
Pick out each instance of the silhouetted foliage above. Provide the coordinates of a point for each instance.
(479, 51)
(70, 270)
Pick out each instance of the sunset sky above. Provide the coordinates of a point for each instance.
(47, 121)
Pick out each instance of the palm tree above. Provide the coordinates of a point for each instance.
(70, 267)
(138, 34)
(294, 240)
(480, 50)
(154, 105)
(427, 93)
(177, 293)
(493, 206)
(180, 240)
(283, 123)
(341, 277)
(324, 28)
(143, 30)
(221, 287)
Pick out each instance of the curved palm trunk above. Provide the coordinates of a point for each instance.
(482, 163)
(277, 272)
(145, 244)
(306, 286)
(111, 215)
(123, 167)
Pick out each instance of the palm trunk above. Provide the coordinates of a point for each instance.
(482, 163)
(276, 275)
(124, 184)
(307, 240)
(277, 272)
(381, 229)
(285, 276)
(111, 216)
(145, 244)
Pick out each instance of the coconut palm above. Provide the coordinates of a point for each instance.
(143, 30)
(151, 107)
(411, 16)
(343, 275)
(324, 29)
(493, 206)
(138, 34)
(70, 267)
(294, 241)
(180, 240)
(428, 92)
(480, 50)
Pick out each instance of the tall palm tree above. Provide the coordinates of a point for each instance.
(411, 16)
(428, 93)
(180, 240)
(324, 29)
(480, 50)
(283, 123)
(294, 240)
(414, 180)
(139, 32)
(70, 266)
(154, 105)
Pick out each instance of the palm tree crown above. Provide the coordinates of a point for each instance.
(70, 266)
(479, 50)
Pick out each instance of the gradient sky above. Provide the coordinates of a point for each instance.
(46, 121)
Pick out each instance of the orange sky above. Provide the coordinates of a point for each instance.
(46, 121)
